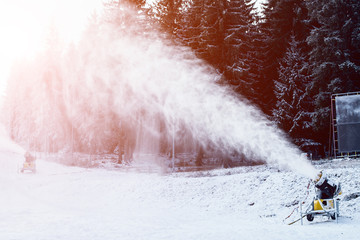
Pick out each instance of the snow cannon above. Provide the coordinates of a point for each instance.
(29, 164)
(325, 188)
(325, 202)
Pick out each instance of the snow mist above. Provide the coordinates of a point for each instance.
(7, 145)
(144, 78)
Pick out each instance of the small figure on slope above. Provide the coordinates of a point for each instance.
(29, 163)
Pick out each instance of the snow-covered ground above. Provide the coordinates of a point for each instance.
(70, 203)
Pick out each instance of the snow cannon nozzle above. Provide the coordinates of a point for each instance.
(325, 188)
(318, 177)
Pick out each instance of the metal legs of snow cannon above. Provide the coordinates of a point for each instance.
(325, 202)
(320, 207)
(28, 167)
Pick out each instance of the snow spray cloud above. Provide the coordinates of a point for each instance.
(144, 75)
(7, 145)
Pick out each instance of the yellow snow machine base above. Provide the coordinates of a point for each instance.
(321, 207)
(328, 204)
(28, 167)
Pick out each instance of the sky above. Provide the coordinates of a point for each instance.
(24, 24)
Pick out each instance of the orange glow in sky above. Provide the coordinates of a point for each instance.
(24, 26)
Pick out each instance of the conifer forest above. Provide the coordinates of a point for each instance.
(283, 57)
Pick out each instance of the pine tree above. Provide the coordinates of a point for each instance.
(334, 56)
(281, 18)
(292, 105)
(126, 15)
(168, 14)
(224, 34)
(202, 28)
(241, 46)
(192, 25)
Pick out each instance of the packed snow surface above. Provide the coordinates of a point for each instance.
(61, 202)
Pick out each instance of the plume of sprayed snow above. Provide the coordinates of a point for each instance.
(138, 75)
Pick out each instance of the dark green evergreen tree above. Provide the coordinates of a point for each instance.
(242, 37)
(334, 56)
(168, 14)
(202, 28)
(293, 103)
(224, 34)
(192, 26)
(281, 18)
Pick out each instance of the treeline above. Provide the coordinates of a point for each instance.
(287, 59)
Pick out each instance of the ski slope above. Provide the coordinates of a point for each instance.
(71, 203)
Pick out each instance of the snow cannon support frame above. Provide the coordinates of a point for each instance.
(325, 203)
(318, 208)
